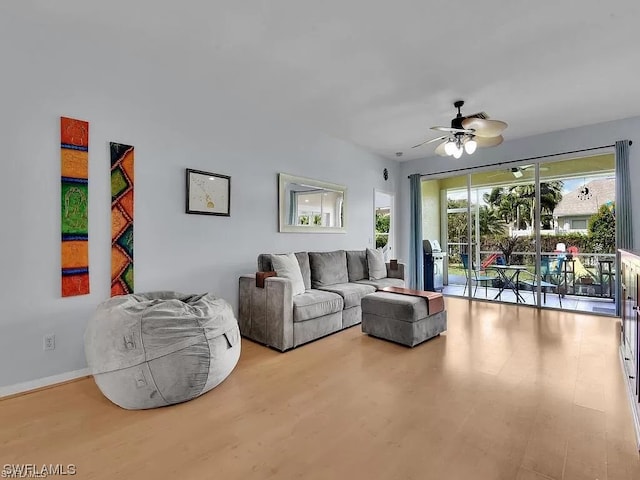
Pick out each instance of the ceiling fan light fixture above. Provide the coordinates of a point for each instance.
(467, 133)
(450, 147)
(470, 146)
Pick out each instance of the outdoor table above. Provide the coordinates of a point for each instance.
(509, 274)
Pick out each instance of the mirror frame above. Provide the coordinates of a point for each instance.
(283, 179)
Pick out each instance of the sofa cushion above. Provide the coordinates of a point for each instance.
(375, 261)
(315, 303)
(328, 268)
(351, 293)
(286, 266)
(384, 282)
(357, 267)
(265, 265)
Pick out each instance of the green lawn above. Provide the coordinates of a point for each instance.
(457, 269)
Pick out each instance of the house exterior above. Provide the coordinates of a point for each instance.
(576, 207)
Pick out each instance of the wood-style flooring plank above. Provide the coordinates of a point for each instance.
(506, 393)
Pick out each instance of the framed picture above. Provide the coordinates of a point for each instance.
(208, 193)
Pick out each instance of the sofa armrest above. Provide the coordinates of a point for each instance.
(266, 314)
(395, 273)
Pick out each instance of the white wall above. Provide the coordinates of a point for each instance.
(547, 144)
(431, 211)
(144, 93)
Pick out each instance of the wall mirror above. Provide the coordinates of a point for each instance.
(311, 206)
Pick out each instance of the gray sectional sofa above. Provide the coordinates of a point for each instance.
(335, 283)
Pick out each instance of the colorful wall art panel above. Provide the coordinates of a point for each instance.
(121, 219)
(74, 153)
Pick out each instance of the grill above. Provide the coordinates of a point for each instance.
(433, 259)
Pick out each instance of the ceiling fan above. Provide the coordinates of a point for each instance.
(518, 172)
(467, 133)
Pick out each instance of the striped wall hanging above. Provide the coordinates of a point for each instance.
(122, 160)
(74, 153)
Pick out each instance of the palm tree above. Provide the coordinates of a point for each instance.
(490, 222)
(494, 197)
(509, 209)
(550, 196)
(527, 194)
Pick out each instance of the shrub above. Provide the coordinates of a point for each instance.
(602, 230)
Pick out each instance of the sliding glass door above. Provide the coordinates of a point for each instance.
(578, 240)
(536, 234)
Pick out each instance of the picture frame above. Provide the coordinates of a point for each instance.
(207, 193)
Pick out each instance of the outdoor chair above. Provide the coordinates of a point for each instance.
(474, 275)
(548, 275)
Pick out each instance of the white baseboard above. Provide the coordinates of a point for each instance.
(42, 382)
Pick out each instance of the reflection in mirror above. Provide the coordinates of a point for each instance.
(312, 206)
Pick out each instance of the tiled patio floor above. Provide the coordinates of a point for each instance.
(601, 306)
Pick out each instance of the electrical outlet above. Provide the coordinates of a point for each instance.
(49, 342)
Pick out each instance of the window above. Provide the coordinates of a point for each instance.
(579, 224)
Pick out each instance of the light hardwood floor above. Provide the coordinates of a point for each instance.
(506, 393)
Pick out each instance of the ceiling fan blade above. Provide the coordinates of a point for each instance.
(430, 141)
(499, 173)
(489, 141)
(484, 128)
(440, 150)
(483, 115)
(527, 167)
(453, 130)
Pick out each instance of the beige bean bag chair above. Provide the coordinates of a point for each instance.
(159, 348)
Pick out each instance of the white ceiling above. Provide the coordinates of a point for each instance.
(379, 73)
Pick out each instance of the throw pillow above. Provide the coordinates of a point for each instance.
(377, 267)
(287, 266)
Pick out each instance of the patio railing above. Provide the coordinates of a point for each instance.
(583, 274)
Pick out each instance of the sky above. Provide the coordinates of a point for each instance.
(569, 186)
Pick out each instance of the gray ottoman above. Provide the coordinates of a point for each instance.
(400, 318)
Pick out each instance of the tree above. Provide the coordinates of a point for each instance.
(493, 198)
(490, 222)
(602, 230)
(508, 245)
(510, 209)
(550, 197)
(382, 222)
(525, 195)
(382, 229)
(524, 202)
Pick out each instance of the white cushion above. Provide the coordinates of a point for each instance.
(377, 267)
(287, 266)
